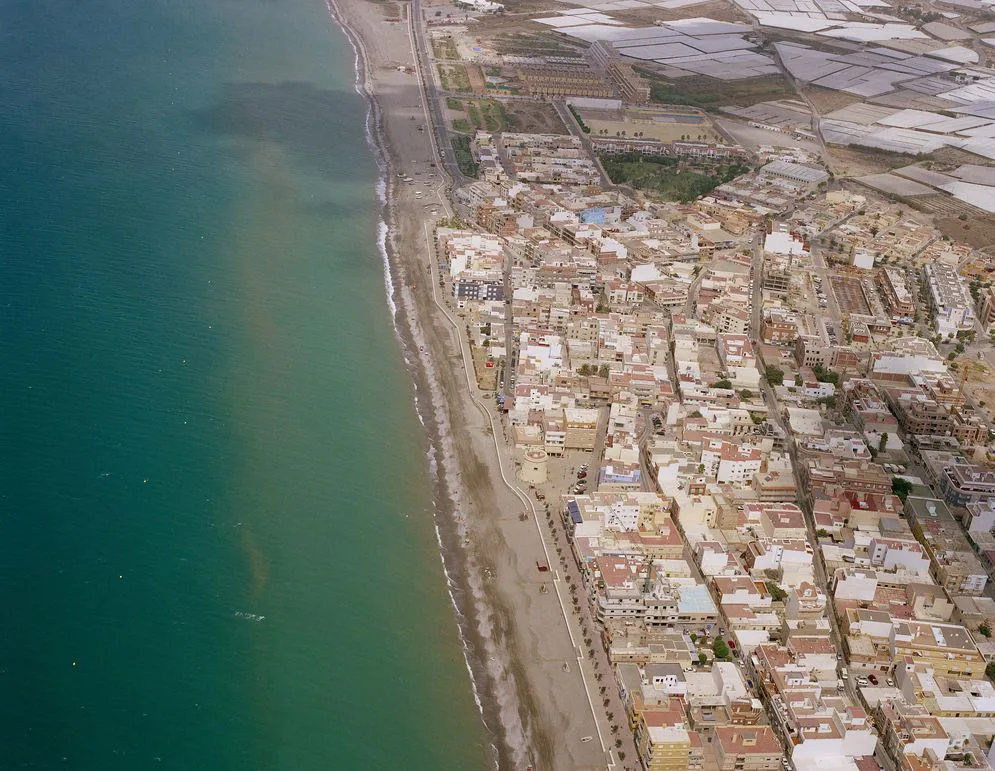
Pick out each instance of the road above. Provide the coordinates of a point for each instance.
(774, 415)
(431, 97)
(574, 128)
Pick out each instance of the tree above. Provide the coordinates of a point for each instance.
(603, 371)
(775, 376)
(901, 487)
(745, 394)
(883, 442)
(702, 659)
(585, 370)
(822, 533)
(721, 650)
(990, 670)
(824, 375)
(985, 629)
(726, 384)
(777, 594)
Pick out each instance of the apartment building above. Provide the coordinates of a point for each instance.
(949, 299)
(747, 748)
(663, 741)
(963, 483)
(948, 648)
(895, 291)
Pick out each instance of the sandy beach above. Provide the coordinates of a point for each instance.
(534, 677)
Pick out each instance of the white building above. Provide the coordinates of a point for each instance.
(980, 517)
(782, 241)
(949, 298)
(855, 584)
(898, 554)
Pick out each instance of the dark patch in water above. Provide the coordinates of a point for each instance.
(307, 121)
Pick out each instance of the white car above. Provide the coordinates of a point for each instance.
(863, 681)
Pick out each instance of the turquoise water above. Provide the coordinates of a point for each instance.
(216, 546)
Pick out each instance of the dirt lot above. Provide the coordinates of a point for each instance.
(826, 100)
(664, 125)
(980, 385)
(849, 295)
(977, 231)
(720, 11)
(858, 161)
(534, 117)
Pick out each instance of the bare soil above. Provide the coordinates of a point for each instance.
(534, 117)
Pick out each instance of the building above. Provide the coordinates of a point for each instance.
(949, 299)
(980, 517)
(909, 729)
(562, 80)
(918, 413)
(779, 327)
(581, 427)
(806, 177)
(780, 240)
(811, 351)
(987, 312)
(896, 294)
(630, 85)
(747, 748)
(964, 483)
(948, 648)
(955, 566)
(731, 462)
(662, 740)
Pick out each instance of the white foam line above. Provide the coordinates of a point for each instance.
(373, 131)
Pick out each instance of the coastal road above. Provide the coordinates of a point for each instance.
(431, 96)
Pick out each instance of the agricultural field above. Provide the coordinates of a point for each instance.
(534, 44)
(445, 48)
(453, 77)
(483, 114)
(673, 179)
(711, 94)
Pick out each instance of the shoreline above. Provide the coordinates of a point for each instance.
(529, 676)
(449, 534)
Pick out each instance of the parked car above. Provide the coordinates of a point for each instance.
(873, 679)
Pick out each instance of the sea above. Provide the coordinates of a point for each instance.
(217, 546)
